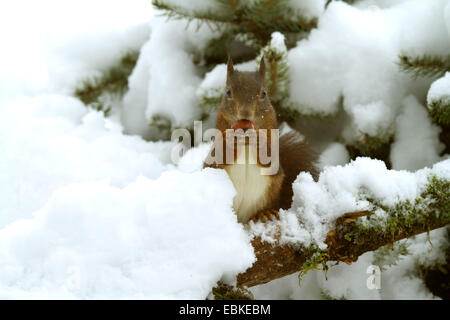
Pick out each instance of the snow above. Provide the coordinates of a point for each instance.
(165, 80)
(277, 42)
(335, 154)
(440, 91)
(371, 118)
(70, 62)
(93, 240)
(308, 8)
(41, 37)
(194, 158)
(109, 207)
(353, 53)
(67, 144)
(376, 4)
(447, 18)
(418, 150)
(338, 285)
(213, 84)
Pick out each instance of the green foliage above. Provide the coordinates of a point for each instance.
(114, 81)
(261, 17)
(388, 256)
(439, 111)
(317, 260)
(373, 147)
(432, 206)
(213, 18)
(437, 277)
(431, 66)
(424, 66)
(244, 26)
(210, 101)
(347, 1)
(268, 16)
(277, 68)
(162, 126)
(243, 31)
(430, 209)
(242, 46)
(286, 113)
(226, 292)
(438, 192)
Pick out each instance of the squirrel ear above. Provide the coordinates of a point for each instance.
(262, 68)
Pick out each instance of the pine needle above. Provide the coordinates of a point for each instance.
(424, 66)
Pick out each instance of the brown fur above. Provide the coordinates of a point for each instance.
(295, 156)
(248, 102)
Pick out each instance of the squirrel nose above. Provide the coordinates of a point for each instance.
(244, 114)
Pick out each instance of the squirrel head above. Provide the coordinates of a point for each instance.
(246, 101)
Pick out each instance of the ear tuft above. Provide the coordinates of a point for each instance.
(262, 67)
(230, 68)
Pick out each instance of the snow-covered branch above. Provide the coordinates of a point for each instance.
(357, 232)
(346, 244)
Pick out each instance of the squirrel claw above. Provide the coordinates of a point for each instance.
(265, 215)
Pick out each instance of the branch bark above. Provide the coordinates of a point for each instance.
(345, 243)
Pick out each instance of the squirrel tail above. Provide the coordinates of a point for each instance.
(295, 156)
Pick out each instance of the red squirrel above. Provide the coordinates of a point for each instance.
(246, 105)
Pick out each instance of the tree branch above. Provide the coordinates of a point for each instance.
(276, 261)
(355, 234)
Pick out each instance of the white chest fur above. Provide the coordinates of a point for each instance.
(251, 187)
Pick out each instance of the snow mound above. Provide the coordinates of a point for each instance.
(170, 238)
(335, 154)
(54, 140)
(418, 150)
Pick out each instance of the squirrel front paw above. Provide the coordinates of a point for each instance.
(266, 214)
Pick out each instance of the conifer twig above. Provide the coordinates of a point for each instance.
(426, 65)
(263, 9)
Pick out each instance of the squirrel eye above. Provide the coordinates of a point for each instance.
(228, 93)
(263, 94)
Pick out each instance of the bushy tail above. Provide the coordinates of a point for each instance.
(295, 156)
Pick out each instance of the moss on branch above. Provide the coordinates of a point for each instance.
(429, 211)
(439, 111)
